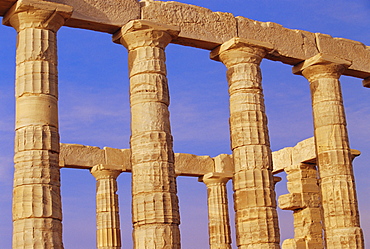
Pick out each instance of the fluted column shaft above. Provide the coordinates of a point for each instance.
(37, 213)
(339, 201)
(155, 208)
(254, 195)
(218, 211)
(108, 233)
(304, 200)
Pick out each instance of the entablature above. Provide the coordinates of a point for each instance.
(205, 29)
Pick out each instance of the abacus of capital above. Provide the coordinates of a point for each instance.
(321, 184)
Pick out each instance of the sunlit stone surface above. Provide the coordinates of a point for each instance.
(321, 184)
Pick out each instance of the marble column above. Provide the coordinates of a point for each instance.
(37, 212)
(339, 201)
(218, 211)
(304, 200)
(108, 233)
(155, 207)
(254, 195)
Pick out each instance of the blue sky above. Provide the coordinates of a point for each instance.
(94, 110)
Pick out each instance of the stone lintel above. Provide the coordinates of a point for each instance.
(302, 152)
(29, 5)
(193, 165)
(199, 29)
(238, 42)
(223, 163)
(137, 25)
(319, 59)
(104, 15)
(366, 82)
(291, 201)
(85, 157)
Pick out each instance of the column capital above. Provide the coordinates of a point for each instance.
(321, 65)
(102, 171)
(241, 45)
(37, 14)
(366, 82)
(215, 177)
(138, 33)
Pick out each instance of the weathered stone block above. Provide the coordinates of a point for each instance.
(290, 201)
(192, 165)
(117, 158)
(106, 16)
(224, 163)
(350, 50)
(294, 244)
(304, 151)
(80, 156)
(281, 159)
(290, 46)
(200, 27)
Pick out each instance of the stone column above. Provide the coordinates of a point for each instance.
(37, 213)
(155, 208)
(339, 201)
(108, 233)
(254, 195)
(304, 200)
(218, 211)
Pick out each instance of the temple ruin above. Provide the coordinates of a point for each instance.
(319, 170)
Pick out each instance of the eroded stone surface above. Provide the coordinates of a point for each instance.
(85, 157)
(192, 165)
(355, 52)
(155, 210)
(108, 233)
(203, 28)
(200, 27)
(37, 210)
(304, 200)
(321, 59)
(290, 46)
(218, 213)
(223, 164)
(334, 159)
(106, 16)
(303, 151)
(254, 195)
(80, 156)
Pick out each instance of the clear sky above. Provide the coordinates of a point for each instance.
(94, 110)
